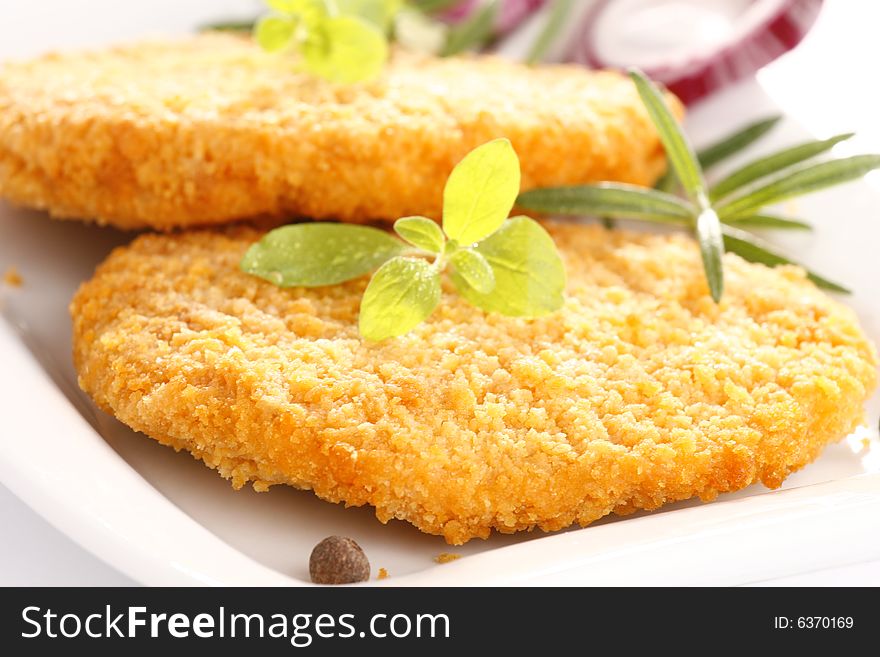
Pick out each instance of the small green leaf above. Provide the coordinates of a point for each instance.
(768, 221)
(421, 232)
(400, 296)
(608, 200)
(678, 151)
(529, 274)
(274, 33)
(345, 49)
(712, 250)
(480, 192)
(557, 15)
(733, 144)
(748, 247)
(772, 164)
(474, 269)
(799, 182)
(474, 33)
(312, 255)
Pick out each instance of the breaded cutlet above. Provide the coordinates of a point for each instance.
(210, 129)
(640, 391)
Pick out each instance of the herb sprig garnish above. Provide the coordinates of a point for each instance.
(340, 40)
(508, 266)
(719, 214)
(721, 150)
(347, 41)
(557, 15)
(475, 31)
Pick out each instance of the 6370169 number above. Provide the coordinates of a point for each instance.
(814, 622)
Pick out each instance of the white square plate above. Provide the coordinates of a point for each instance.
(163, 518)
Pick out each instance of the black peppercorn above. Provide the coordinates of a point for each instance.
(338, 560)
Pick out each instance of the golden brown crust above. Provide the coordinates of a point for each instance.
(209, 129)
(639, 392)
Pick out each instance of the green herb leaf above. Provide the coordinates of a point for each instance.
(712, 250)
(421, 232)
(772, 164)
(474, 269)
(557, 15)
(799, 182)
(733, 144)
(768, 221)
(512, 268)
(678, 151)
(480, 192)
(529, 274)
(750, 248)
(274, 33)
(312, 255)
(400, 296)
(474, 33)
(608, 200)
(345, 49)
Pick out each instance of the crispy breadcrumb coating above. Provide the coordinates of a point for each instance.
(640, 391)
(209, 129)
(446, 557)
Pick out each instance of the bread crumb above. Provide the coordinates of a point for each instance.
(12, 278)
(446, 557)
(383, 574)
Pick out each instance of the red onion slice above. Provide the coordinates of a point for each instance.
(694, 47)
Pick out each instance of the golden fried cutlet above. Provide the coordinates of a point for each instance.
(639, 391)
(210, 129)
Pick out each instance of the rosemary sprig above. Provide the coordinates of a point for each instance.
(431, 6)
(771, 164)
(717, 215)
(473, 33)
(683, 162)
(679, 152)
(607, 199)
(724, 149)
(751, 248)
(243, 26)
(799, 182)
(556, 17)
(738, 141)
(768, 221)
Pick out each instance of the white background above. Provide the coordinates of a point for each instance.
(828, 85)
